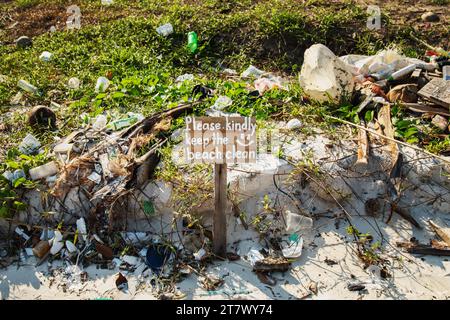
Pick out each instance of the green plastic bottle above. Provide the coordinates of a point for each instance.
(192, 41)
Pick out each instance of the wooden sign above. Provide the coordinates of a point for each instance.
(220, 140)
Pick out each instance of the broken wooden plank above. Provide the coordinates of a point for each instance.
(437, 91)
(363, 148)
(384, 118)
(441, 229)
(423, 108)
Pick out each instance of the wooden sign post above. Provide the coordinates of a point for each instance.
(220, 140)
(220, 206)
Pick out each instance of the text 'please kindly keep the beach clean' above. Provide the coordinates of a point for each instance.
(220, 140)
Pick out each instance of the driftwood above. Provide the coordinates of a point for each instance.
(272, 265)
(441, 230)
(424, 249)
(423, 108)
(363, 147)
(405, 215)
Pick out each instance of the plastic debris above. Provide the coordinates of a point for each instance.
(57, 243)
(252, 72)
(13, 176)
(123, 123)
(221, 103)
(47, 234)
(135, 237)
(165, 29)
(230, 72)
(131, 260)
(446, 73)
(148, 207)
(73, 83)
(296, 222)
(324, 76)
(8, 175)
(157, 255)
(293, 248)
(402, 72)
(29, 145)
(100, 122)
(254, 255)
(102, 84)
(185, 77)
(192, 41)
(200, 254)
(46, 56)
(71, 248)
(81, 228)
(266, 84)
(384, 63)
(28, 87)
(44, 171)
(95, 177)
(107, 2)
(21, 233)
(294, 124)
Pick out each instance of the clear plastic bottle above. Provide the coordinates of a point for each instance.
(28, 87)
(446, 72)
(402, 72)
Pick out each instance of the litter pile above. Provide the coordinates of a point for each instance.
(386, 79)
(98, 169)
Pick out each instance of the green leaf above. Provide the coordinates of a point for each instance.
(118, 95)
(369, 116)
(410, 132)
(19, 205)
(13, 164)
(18, 182)
(402, 124)
(412, 140)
